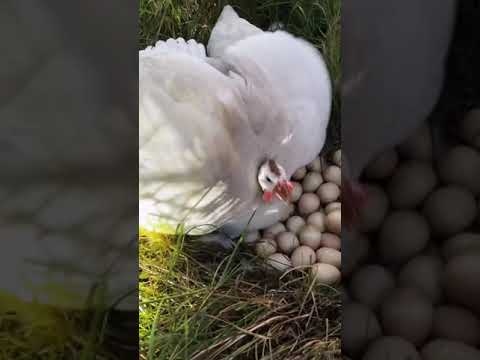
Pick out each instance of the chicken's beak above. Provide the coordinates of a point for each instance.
(283, 190)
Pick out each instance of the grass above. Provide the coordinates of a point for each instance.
(196, 303)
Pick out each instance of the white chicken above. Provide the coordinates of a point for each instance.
(220, 137)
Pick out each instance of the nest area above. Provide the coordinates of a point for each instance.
(308, 237)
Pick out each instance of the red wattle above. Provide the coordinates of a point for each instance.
(267, 196)
(289, 186)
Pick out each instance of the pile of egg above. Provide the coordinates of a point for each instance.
(310, 237)
(412, 272)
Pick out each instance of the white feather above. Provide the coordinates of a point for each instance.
(229, 29)
(205, 130)
(296, 72)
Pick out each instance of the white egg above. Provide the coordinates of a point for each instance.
(382, 166)
(450, 210)
(391, 348)
(461, 281)
(310, 236)
(308, 204)
(296, 192)
(311, 182)
(461, 244)
(333, 222)
(337, 157)
(407, 313)
(423, 273)
(329, 256)
(279, 262)
(461, 166)
(402, 235)
(315, 165)
(325, 274)
(441, 349)
(333, 206)
(418, 146)
(303, 256)
(295, 223)
(328, 192)
(371, 284)
(410, 184)
(291, 209)
(287, 242)
(299, 174)
(456, 323)
(265, 247)
(373, 212)
(317, 219)
(274, 230)
(331, 241)
(470, 128)
(333, 174)
(251, 237)
(359, 327)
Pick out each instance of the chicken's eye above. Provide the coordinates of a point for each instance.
(269, 180)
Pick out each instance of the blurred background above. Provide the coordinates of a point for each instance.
(69, 183)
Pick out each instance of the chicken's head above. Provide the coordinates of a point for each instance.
(273, 181)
